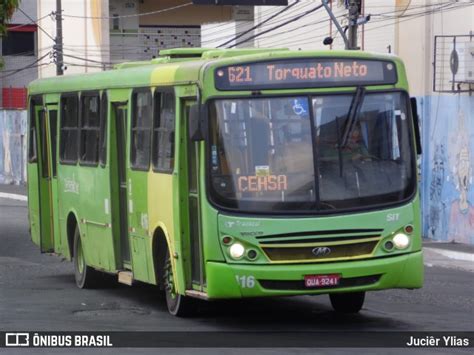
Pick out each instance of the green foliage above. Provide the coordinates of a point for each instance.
(7, 8)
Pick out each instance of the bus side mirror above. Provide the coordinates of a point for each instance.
(195, 129)
(416, 125)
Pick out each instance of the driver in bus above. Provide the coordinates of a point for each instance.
(355, 147)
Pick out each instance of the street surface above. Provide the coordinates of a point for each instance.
(37, 292)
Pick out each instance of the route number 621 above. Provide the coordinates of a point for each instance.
(245, 281)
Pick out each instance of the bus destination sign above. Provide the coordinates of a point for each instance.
(305, 73)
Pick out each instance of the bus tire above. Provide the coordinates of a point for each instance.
(178, 305)
(350, 302)
(86, 277)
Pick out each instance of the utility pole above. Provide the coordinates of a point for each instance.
(58, 47)
(355, 8)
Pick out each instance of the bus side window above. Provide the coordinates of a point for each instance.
(141, 130)
(90, 129)
(69, 129)
(32, 144)
(103, 130)
(163, 131)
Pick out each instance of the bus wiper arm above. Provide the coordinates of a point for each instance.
(352, 115)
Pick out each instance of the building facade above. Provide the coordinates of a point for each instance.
(18, 50)
(98, 34)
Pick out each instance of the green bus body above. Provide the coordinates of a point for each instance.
(164, 211)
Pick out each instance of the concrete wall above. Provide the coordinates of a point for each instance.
(12, 147)
(86, 37)
(447, 167)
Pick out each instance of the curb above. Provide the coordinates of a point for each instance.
(456, 255)
(13, 196)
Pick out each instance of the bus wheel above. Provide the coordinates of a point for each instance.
(86, 277)
(178, 305)
(351, 302)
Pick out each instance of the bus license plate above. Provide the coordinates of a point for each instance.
(321, 280)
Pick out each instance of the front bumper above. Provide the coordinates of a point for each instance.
(238, 280)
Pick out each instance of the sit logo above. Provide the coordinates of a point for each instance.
(393, 217)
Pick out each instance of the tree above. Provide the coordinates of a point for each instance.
(7, 8)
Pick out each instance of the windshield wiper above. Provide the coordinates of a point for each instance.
(353, 114)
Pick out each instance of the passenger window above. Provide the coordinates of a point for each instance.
(163, 132)
(103, 130)
(32, 145)
(90, 127)
(69, 130)
(141, 130)
(53, 129)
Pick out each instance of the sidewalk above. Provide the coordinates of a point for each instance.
(13, 189)
(449, 255)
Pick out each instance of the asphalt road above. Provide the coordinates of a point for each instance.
(37, 292)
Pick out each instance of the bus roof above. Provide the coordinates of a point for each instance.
(174, 66)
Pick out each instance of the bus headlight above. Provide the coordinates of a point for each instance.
(401, 241)
(237, 250)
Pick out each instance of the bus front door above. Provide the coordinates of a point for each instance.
(193, 209)
(118, 176)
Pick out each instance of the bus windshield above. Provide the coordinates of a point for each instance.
(302, 153)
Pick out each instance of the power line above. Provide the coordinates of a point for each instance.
(278, 26)
(258, 25)
(230, 24)
(340, 16)
(132, 15)
(406, 18)
(87, 59)
(288, 15)
(41, 28)
(30, 23)
(26, 67)
(463, 5)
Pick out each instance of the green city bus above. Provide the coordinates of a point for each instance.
(222, 174)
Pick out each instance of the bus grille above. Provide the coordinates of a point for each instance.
(307, 248)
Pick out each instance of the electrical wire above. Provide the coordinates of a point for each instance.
(26, 67)
(41, 28)
(27, 24)
(241, 34)
(278, 26)
(288, 15)
(406, 17)
(131, 15)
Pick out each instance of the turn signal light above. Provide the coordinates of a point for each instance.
(227, 239)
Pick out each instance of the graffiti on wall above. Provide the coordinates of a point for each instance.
(448, 169)
(12, 147)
